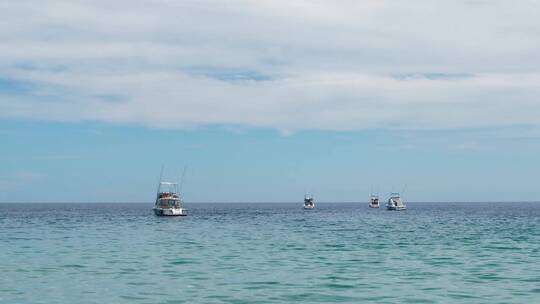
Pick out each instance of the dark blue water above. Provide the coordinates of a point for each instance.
(273, 253)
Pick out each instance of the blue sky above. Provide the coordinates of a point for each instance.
(263, 100)
(44, 161)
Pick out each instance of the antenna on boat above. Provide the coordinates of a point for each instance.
(160, 178)
(182, 179)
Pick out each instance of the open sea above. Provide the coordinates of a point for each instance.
(270, 253)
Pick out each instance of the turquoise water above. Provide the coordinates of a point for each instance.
(274, 253)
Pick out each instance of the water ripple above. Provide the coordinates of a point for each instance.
(276, 253)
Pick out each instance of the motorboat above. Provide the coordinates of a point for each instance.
(168, 200)
(395, 203)
(309, 202)
(374, 201)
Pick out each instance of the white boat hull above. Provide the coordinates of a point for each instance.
(396, 208)
(309, 207)
(170, 211)
(374, 206)
(395, 203)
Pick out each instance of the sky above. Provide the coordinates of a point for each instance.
(265, 100)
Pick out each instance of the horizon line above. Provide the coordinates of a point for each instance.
(262, 202)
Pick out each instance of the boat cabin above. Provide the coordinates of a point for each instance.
(167, 195)
(308, 201)
(168, 200)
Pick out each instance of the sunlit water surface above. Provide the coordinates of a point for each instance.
(270, 253)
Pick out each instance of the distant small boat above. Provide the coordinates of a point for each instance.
(395, 203)
(309, 203)
(374, 202)
(168, 200)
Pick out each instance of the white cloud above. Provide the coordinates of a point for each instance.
(341, 65)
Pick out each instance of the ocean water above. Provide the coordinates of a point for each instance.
(270, 253)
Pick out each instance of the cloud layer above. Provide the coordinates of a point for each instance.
(340, 65)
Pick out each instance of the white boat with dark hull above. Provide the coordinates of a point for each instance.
(374, 201)
(395, 203)
(309, 202)
(168, 201)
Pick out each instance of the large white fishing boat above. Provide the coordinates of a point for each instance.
(168, 200)
(374, 201)
(309, 202)
(395, 203)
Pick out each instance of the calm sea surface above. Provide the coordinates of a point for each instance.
(273, 253)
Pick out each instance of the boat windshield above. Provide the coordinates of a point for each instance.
(167, 203)
(168, 194)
